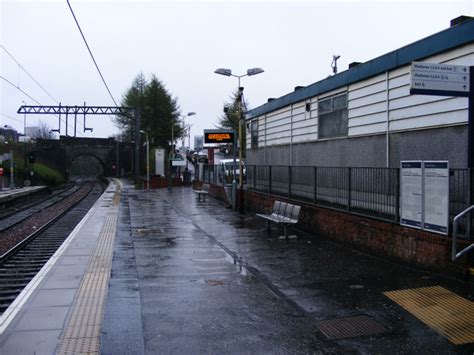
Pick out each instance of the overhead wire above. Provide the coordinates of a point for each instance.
(26, 71)
(11, 117)
(90, 52)
(19, 89)
(37, 83)
(33, 99)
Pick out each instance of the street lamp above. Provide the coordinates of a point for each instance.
(228, 72)
(147, 160)
(184, 125)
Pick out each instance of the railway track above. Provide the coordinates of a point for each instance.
(22, 262)
(13, 216)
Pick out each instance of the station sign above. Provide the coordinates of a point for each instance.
(439, 79)
(178, 162)
(219, 136)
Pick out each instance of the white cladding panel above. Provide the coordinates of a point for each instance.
(366, 130)
(368, 110)
(432, 109)
(366, 100)
(367, 90)
(368, 119)
(368, 106)
(446, 118)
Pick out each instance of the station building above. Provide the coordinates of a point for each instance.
(365, 116)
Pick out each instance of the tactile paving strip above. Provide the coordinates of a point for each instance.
(447, 313)
(82, 333)
(350, 327)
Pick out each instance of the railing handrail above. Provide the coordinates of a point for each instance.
(455, 255)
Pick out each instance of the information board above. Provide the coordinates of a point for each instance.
(424, 199)
(411, 202)
(436, 196)
(218, 136)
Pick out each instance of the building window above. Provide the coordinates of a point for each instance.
(332, 113)
(254, 134)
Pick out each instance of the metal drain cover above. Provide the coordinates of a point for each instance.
(215, 282)
(350, 327)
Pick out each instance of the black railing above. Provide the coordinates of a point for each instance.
(369, 191)
(373, 192)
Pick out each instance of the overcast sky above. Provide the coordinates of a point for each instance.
(183, 42)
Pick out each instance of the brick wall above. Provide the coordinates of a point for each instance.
(408, 245)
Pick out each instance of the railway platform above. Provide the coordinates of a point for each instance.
(157, 272)
(8, 194)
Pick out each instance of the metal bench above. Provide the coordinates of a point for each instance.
(204, 191)
(282, 213)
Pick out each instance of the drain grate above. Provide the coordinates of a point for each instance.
(215, 282)
(350, 327)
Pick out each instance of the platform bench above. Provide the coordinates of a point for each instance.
(282, 213)
(204, 191)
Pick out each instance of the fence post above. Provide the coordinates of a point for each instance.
(397, 198)
(315, 187)
(470, 189)
(255, 177)
(289, 181)
(349, 170)
(269, 179)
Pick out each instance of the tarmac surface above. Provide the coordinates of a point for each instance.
(193, 276)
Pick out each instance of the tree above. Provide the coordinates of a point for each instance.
(230, 118)
(133, 97)
(159, 111)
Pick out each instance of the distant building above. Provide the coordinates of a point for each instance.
(33, 132)
(365, 116)
(198, 142)
(9, 134)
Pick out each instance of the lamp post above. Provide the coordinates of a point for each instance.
(184, 124)
(147, 160)
(228, 72)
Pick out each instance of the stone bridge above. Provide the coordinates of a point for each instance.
(113, 157)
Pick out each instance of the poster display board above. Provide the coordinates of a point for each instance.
(436, 196)
(160, 162)
(424, 199)
(411, 203)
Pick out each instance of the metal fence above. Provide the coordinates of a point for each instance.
(373, 192)
(369, 191)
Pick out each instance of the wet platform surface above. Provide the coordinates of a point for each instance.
(158, 272)
(193, 276)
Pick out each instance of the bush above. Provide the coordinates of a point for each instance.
(46, 175)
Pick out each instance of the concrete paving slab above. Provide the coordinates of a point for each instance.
(54, 297)
(22, 343)
(44, 318)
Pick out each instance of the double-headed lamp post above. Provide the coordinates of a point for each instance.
(147, 160)
(228, 72)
